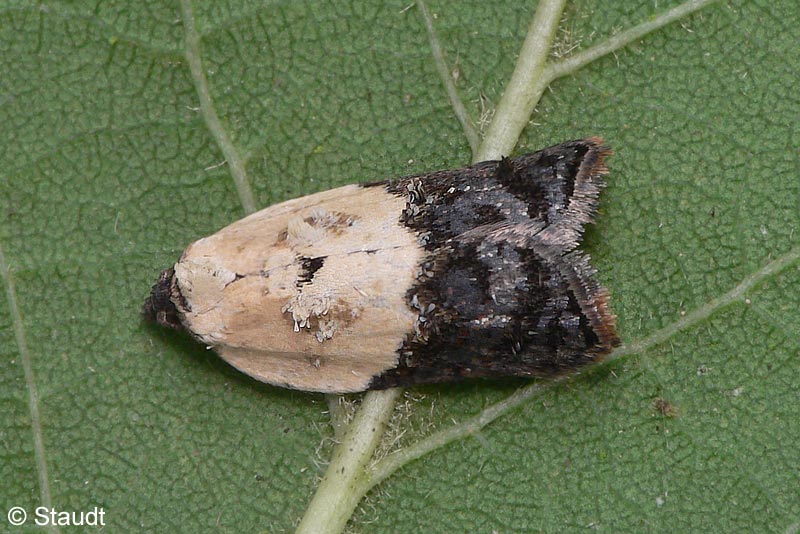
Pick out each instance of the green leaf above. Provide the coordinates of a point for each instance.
(108, 170)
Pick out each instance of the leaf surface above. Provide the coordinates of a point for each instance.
(108, 170)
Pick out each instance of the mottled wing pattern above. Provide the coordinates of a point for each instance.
(502, 290)
(471, 272)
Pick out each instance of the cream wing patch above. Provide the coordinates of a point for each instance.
(309, 293)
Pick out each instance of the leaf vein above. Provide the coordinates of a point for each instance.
(30, 382)
(459, 110)
(209, 112)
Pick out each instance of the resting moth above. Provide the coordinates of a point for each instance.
(455, 274)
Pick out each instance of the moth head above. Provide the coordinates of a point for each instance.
(159, 308)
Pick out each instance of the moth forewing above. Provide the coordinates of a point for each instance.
(450, 275)
(306, 295)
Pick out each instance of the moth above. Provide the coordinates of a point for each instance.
(456, 274)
